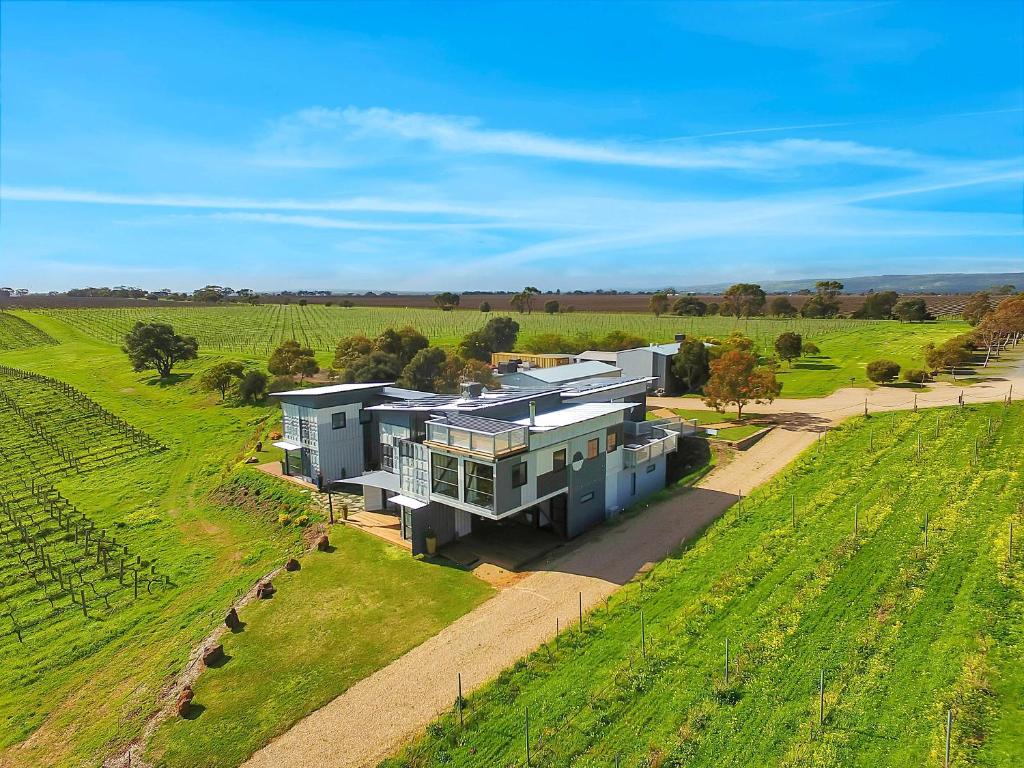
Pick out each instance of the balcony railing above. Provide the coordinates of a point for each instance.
(654, 442)
(492, 444)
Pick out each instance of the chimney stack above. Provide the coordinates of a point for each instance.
(472, 390)
(533, 413)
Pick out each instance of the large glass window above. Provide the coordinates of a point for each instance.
(445, 475)
(479, 484)
(593, 446)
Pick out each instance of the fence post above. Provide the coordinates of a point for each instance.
(643, 635)
(949, 729)
(821, 698)
(460, 701)
(581, 611)
(527, 737)
(727, 661)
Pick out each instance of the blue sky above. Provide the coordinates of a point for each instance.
(479, 145)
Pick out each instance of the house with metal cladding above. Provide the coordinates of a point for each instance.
(559, 458)
(654, 361)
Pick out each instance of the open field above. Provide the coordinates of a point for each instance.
(846, 345)
(137, 464)
(903, 630)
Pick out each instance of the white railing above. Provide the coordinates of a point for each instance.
(659, 441)
(488, 444)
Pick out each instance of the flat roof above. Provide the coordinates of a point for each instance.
(563, 373)
(599, 385)
(573, 414)
(330, 389)
(475, 423)
(598, 354)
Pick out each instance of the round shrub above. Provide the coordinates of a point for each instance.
(284, 518)
(883, 371)
(915, 375)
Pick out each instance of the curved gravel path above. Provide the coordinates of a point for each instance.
(373, 718)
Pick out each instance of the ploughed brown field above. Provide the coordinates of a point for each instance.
(938, 304)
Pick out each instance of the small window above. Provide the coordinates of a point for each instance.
(558, 460)
(586, 497)
(338, 420)
(612, 441)
(651, 468)
(365, 417)
(593, 446)
(519, 474)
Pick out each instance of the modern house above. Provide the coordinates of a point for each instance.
(561, 458)
(538, 360)
(654, 361)
(562, 374)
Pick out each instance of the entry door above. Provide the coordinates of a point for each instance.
(559, 515)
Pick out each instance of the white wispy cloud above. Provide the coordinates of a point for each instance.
(320, 137)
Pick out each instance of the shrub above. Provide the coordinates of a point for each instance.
(915, 375)
(810, 348)
(302, 520)
(281, 384)
(284, 518)
(883, 371)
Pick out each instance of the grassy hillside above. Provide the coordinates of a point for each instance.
(846, 345)
(903, 632)
(75, 688)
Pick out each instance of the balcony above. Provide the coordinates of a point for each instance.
(476, 435)
(647, 440)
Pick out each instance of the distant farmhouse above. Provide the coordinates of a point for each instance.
(563, 456)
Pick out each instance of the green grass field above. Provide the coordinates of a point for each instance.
(75, 689)
(846, 345)
(903, 632)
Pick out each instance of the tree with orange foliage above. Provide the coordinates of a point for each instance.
(737, 379)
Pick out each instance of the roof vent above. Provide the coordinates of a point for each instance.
(472, 389)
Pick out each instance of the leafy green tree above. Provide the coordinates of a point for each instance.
(789, 346)
(877, 306)
(252, 387)
(781, 306)
(810, 348)
(351, 348)
(447, 301)
(659, 303)
(911, 310)
(691, 364)
(485, 306)
(551, 307)
(424, 370)
(221, 377)
(689, 306)
(375, 367)
(744, 299)
(404, 343)
(883, 371)
(289, 357)
(950, 354)
(498, 335)
(157, 346)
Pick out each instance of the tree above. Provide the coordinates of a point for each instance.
(616, 341)
(744, 299)
(690, 306)
(498, 335)
(447, 301)
(911, 310)
(691, 364)
(404, 343)
(883, 371)
(474, 370)
(551, 307)
(523, 301)
(157, 346)
(828, 289)
(823, 303)
(485, 306)
(253, 386)
(289, 358)
(810, 348)
(221, 376)
(951, 354)
(1000, 327)
(350, 349)
(979, 305)
(424, 370)
(210, 293)
(306, 366)
(659, 303)
(737, 380)
(375, 367)
(789, 345)
(877, 306)
(781, 306)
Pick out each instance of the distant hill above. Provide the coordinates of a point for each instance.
(956, 282)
